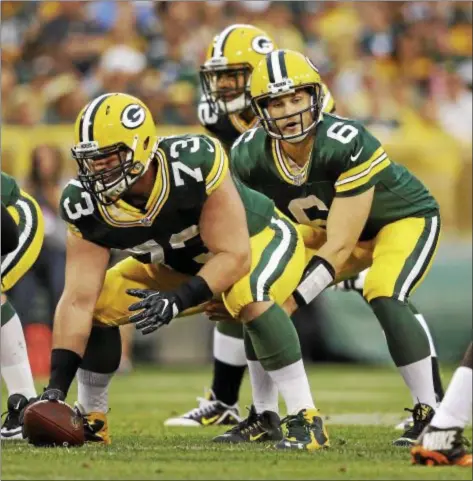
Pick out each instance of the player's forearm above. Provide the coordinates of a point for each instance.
(224, 269)
(72, 325)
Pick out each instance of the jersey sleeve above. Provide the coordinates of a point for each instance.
(216, 166)
(75, 208)
(245, 153)
(362, 162)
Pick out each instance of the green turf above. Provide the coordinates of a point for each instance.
(143, 449)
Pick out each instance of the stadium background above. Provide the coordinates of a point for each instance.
(403, 68)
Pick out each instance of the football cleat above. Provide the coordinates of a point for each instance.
(304, 430)
(440, 447)
(12, 426)
(422, 414)
(210, 412)
(256, 428)
(95, 426)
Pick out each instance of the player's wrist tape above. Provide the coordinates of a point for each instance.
(193, 292)
(318, 274)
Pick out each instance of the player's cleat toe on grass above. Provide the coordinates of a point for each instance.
(209, 412)
(12, 428)
(304, 431)
(256, 427)
(95, 426)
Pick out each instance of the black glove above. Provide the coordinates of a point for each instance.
(52, 395)
(159, 308)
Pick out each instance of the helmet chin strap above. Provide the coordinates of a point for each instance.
(235, 105)
(129, 180)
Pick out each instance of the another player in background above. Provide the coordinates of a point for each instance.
(192, 234)
(225, 112)
(333, 177)
(15, 366)
(442, 442)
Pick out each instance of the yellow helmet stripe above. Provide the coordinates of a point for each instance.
(219, 46)
(86, 126)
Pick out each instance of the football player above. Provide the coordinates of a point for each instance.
(442, 442)
(225, 112)
(171, 201)
(333, 177)
(27, 220)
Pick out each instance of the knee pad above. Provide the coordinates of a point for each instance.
(103, 351)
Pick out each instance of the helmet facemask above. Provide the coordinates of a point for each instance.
(110, 184)
(216, 97)
(260, 107)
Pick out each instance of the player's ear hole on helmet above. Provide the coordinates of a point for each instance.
(146, 143)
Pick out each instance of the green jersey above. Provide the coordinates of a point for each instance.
(10, 190)
(189, 169)
(346, 160)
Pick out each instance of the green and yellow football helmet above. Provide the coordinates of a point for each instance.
(234, 52)
(113, 124)
(282, 72)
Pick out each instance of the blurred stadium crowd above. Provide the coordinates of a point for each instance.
(404, 68)
(378, 57)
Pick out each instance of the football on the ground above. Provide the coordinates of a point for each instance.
(53, 423)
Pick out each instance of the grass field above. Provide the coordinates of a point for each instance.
(361, 405)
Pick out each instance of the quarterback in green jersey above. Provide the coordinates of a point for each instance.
(328, 172)
(226, 113)
(27, 219)
(192, 233)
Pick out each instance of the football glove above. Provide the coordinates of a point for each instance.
(158, 309)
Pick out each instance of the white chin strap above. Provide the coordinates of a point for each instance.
(129, 180)
(235, 105)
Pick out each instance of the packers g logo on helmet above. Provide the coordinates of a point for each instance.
(113, 125)
(232, 56)
(282, 72)
(133, 116)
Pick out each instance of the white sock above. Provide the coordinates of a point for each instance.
(228, 349)
(424, 325)
(455, 408)
(92, 390)
(15, 365)
(293, 385)
(265, 392)
(419, 380)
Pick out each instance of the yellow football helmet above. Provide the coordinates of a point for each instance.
(234, 53)
(281, 73)
(113, 124)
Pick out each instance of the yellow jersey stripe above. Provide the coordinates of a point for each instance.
(361, 180)
(362, 167)
(365, 172)
(123, 215)
(285, 169)
(219, 169)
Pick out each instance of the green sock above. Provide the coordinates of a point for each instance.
(8, 311)
(230, 328)
(406, 338)
(274, 339)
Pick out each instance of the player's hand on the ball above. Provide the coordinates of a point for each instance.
(158, 309)
(52, 395)
(216, 311)
(355, 283)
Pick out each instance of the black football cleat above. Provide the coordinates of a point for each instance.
(12, 426)
(422, 414)
(256, 427)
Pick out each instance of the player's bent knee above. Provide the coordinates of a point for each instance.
(103, 351)
(254, 310)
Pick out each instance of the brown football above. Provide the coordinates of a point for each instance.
(53, 423)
